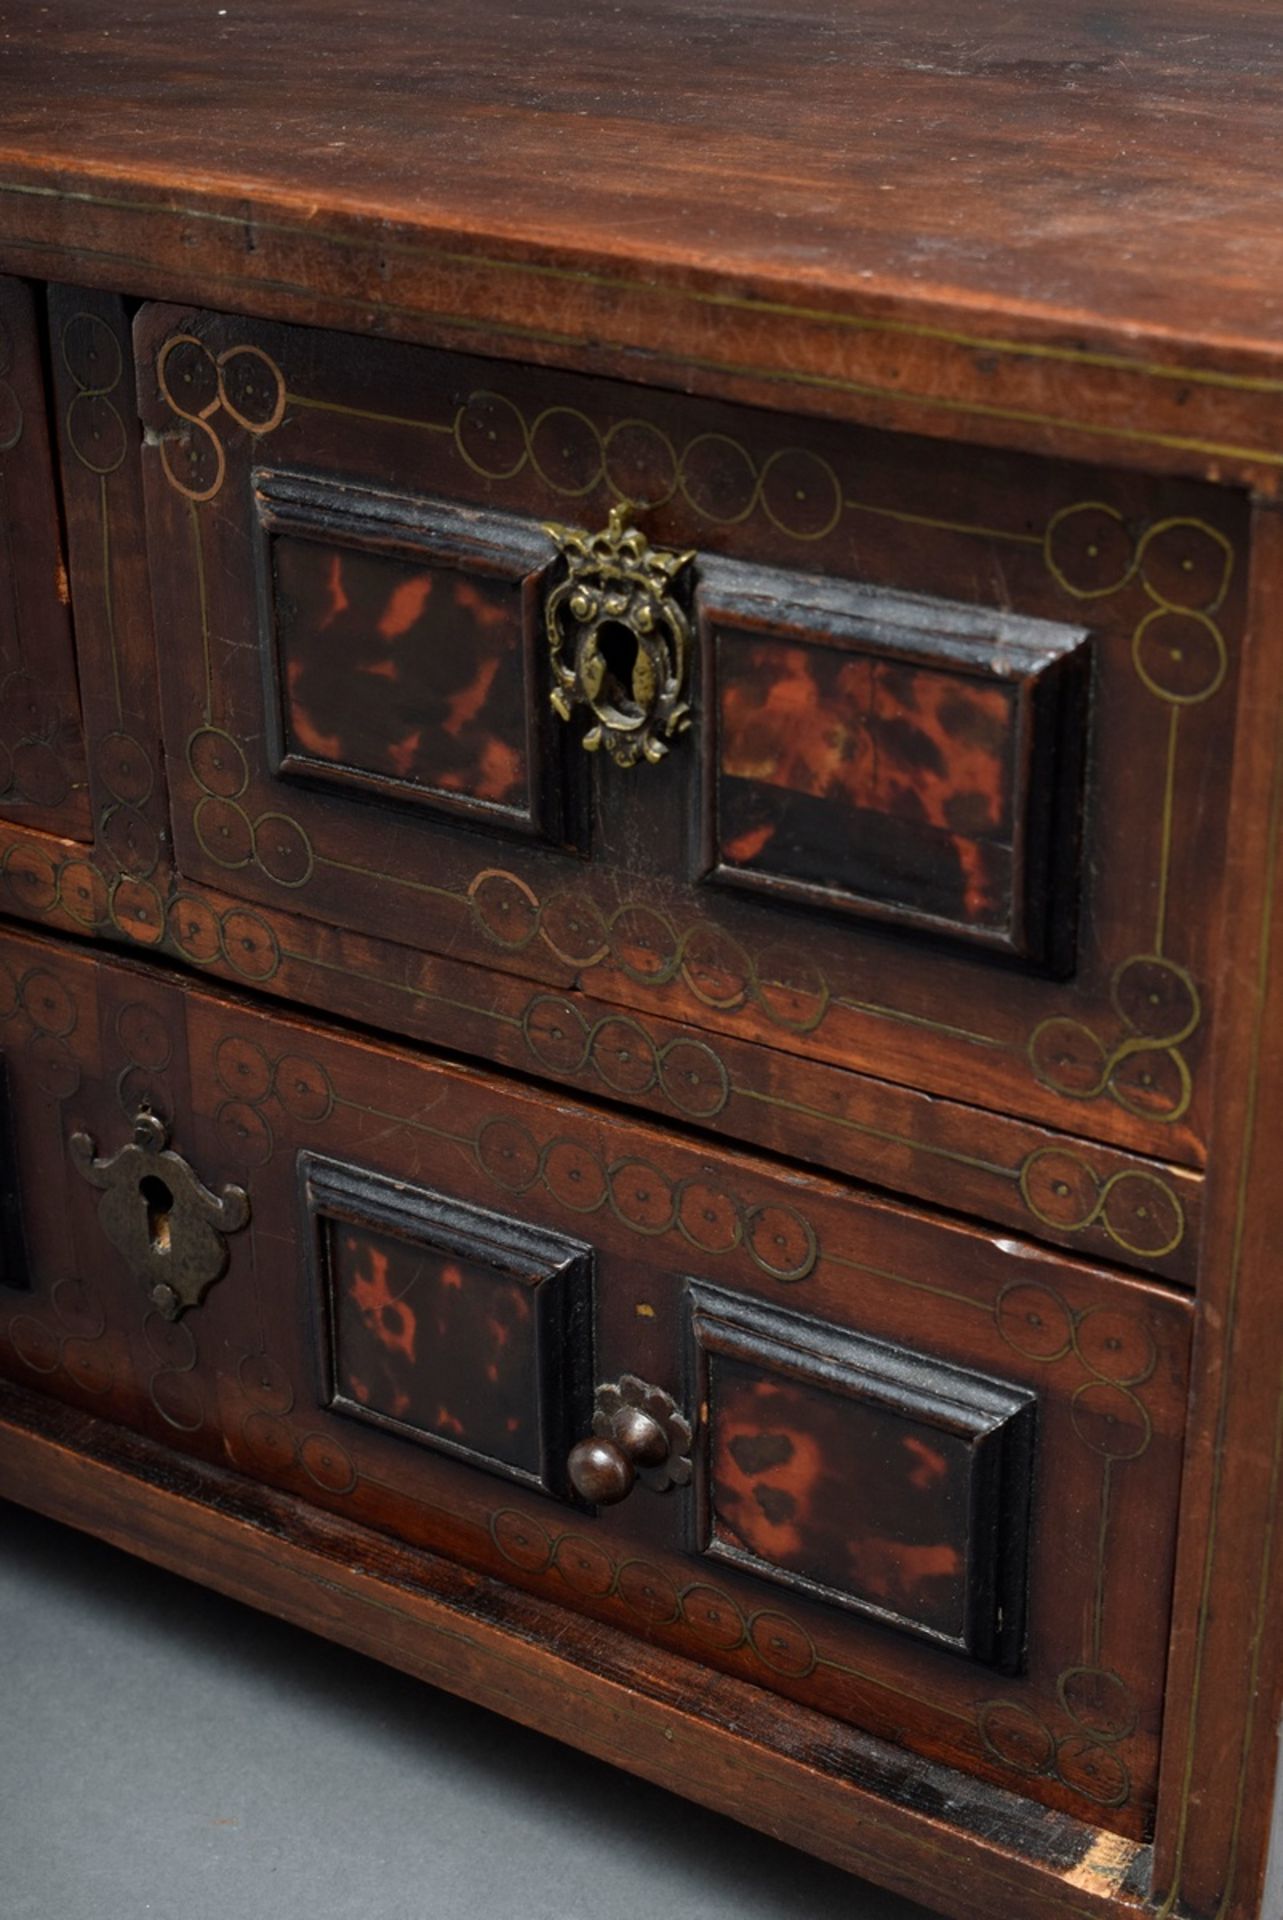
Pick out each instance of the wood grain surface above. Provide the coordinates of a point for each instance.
(1052, 225)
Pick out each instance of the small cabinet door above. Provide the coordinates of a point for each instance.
(877, 1461)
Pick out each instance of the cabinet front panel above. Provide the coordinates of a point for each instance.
(901, 757)
(919, 1477)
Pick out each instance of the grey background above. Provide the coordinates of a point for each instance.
(169, 1755)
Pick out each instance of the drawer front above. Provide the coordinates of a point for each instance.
(42, 757)
(920, 1478)
(923, 747)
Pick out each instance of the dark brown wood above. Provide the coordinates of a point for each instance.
(42, 749)
(97, 438)
(447, 1158)
(1227, 1663)
(850, 208)
(936, 355)
(1077, 1194)
(1111, 1046)
(796, 1775)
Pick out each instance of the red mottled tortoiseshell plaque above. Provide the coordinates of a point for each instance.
(400, 644)
(865, 1475)
(447, 1324)
(410, 674)
(866, 762)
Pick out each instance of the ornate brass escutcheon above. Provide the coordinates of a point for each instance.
(620, 641)
(157, 1213)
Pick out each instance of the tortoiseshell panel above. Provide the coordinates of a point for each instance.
(865, 1475)
(447, 1324)
(837, 770)
(903, 775)
(412, 676)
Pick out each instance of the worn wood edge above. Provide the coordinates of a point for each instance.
(920, 1830)
(998, 372)
(304, 1007)
(1221, 1748)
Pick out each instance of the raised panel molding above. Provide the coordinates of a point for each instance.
(865, 1475)
(448, 1325)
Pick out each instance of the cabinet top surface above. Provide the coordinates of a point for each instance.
(1099, 177)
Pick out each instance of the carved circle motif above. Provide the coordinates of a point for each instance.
(82, 893)
(585, 1566)
(522, 1542)
(649, 1593)
(78, 1307)
(298, 1083)
(125, 768)
(1014, 1735)
(265, 1383)
(1099, 1702)
(225, 831)
(1094, 1771)
(648, 949)
(714, 1616)
(78, 1349)
(239, 936)
(717, 477)
(328, 1464)
(137, 910)
(782, 1645)
(1158, 1004)
(1084, 1760)
(131, 840)
(95, 429)
(242, 381)
(1136, 1207)
(1034, 1321)
(1111, 1420)
(57, 1070)
(1179, 652)
(30, 876)
(1115, 1348)
(622, 1054)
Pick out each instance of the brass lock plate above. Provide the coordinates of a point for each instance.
(160, 1216)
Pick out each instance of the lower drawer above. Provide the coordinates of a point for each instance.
(892, 1467)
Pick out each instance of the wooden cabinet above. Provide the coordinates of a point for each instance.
(640, 1034)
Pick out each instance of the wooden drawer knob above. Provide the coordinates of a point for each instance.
(638, 1434)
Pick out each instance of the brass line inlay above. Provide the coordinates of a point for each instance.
(618, 283)
(1251, 1101)
(1176, 695)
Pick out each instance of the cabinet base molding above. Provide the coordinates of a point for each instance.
(922, 1831)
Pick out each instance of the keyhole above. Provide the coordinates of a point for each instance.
(618, 649)
(160, 1203)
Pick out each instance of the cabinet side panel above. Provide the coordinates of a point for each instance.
(1226, 1674)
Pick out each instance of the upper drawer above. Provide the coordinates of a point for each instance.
(42, 754)
(908, 758)
(916, 1475)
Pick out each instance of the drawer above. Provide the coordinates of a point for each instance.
(908, 758)
(919, 1477)
(42, 754)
